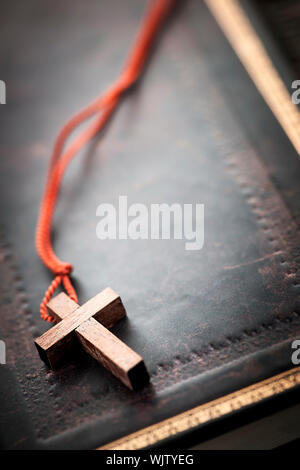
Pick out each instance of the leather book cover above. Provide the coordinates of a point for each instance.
(194, 129)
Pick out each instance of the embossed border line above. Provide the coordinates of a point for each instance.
(249, 48)
(208, 412)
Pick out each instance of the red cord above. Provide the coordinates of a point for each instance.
(105, 105)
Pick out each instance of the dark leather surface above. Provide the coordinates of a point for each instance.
(194, 129)
(283, 20)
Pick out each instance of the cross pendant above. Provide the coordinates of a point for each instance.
(88, 326)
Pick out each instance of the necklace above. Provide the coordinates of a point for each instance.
(88, 325)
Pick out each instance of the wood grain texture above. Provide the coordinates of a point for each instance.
(113, 354)
(55, 343)
(61, 306)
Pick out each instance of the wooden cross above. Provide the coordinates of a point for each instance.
(88, 325)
